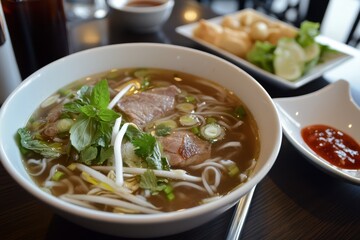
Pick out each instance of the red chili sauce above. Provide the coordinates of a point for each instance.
(334, 146)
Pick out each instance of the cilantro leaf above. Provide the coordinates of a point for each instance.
(146, 147)
(144, 144)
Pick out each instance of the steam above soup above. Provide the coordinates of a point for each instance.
(140, 141)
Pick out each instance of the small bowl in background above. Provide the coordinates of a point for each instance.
(141, 16)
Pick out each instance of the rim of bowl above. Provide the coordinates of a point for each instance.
(114, 4)
(97, 215)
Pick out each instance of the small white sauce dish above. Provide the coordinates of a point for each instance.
(332, 106)
(141, 16)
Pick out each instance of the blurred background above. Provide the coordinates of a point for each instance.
(340, 16)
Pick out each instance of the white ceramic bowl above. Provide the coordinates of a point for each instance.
(332, 106)
(141, 19)
(27, 97)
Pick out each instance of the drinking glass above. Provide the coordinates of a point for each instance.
(85, 9)
(38, 32)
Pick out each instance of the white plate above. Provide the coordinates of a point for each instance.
(187, 31)
(332, 106)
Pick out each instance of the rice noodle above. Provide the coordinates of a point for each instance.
(230, 144)
(69, 185)
(40, 163)
(238, 124)
(205, 164)
(190, 89)
(210, 188)
(211, 199)
(215, 113)
(222, 123)
(188, 184)
(227, 162)
(52, 172)
(110, 202)
(51, 184)
(80, 181)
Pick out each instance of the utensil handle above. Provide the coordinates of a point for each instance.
(239, 216)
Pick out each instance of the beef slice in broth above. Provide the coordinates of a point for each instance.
(144, 107)
(184, 148)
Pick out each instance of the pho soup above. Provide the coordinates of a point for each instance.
(140, 141)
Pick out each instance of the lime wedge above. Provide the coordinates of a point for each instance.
(289, 59)
(312, 51)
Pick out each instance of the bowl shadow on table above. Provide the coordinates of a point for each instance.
(304, 183)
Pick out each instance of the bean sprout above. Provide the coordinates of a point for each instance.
(110, 202)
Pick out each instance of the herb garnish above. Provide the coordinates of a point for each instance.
(91, 133)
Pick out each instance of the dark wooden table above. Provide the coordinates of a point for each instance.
(294, 201)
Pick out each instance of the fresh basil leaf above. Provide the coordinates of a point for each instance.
(82, 133)
(89, 110)
(105, 154)
(107, 115)
(88, 155)
(100, 96)
(73, 107)
(48, 150)
(83, 94)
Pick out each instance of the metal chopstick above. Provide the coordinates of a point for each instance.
(239, 216)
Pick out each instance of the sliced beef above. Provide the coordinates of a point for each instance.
(50, 130)
(144, 107)
(184, 148)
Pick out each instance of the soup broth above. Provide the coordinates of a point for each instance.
(140, 141)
